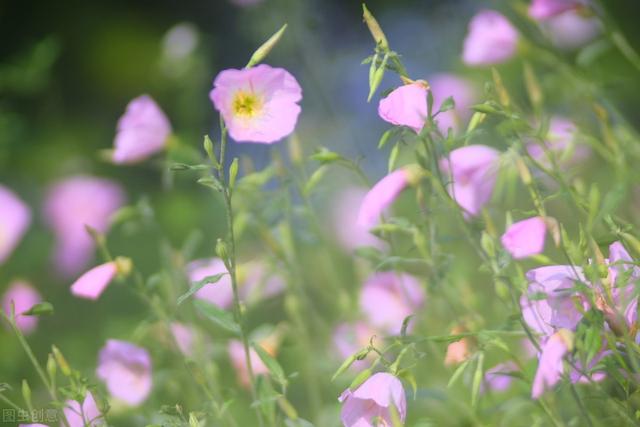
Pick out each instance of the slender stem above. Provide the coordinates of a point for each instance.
(9, 402)
(231, 266)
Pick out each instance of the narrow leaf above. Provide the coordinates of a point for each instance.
(196, 286)
(220, 317)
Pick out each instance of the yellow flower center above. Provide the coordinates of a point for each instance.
(246, 104)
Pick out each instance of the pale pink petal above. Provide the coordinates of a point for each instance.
(550, 365)
(15, 218)
(238, 360)
(572, 30)
(463, 94)
(498, 378)
(184, 337)
(24, 296)
(126, 370)
(86, 416)
(405, 106)
(344, 220)
(525, 238)
(544, 9)
(491, 39)
(380, 197)
(92, 283)
(219, 293)
(372, 399)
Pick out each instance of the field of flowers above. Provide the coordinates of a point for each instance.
(222, 255)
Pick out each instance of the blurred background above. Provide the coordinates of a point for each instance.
(68, 69)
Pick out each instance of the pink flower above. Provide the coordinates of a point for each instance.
(32, 425)
(463, 93)
(551, 302)
(381, 196)
(15, 218)
(544, 9)
(344, 217)
(562, 143)
(184, 337)
(219, 293)
(258, 104)
(143, 130)
(70, 205)
(92, 283)
(491, 39)
(348, 338)
(550, 365)
(387, 298)
(498, 378)
(406, 106)
(126, 370)
(86, 416)
(24, 296)
(457, 352)
(473, 171)
(238, 360)
(370, 404)
(571, 30)
(259, 281)
(525, 238)
(623, 274)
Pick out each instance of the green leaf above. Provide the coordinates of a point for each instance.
(220, 317)
(272, 364)
(211, 182)
(324, 156)
(477, 380)
(233, 172)
(447, 104)
(386, 137)
(314, 179)
(196, 286)
(261, 53)
(458, 372)
(393, 157)
(40, 309)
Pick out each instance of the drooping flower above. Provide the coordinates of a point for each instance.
(406, 106)
(499, 377)
(572, 29)
(463, 93)
(551, 302)
(258, 104)
(70, 205)
(525, 238)
(544, 9)
(387, 298)
(371, 403)
(219, 293)
(15, 218)
(473, 170)
(92, 283)
(491, 39)
(381, 196)
(562, 143)
(143, 130)
(344, 218)
(86, 416)
(239, 362)
(550, 364)
(126, 370)
(24, 296)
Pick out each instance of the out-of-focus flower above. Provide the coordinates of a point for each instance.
(70, 205)
(387, 298)
(371, 403)
(143, 130)
(126, 370)
(525, 238)
(562, 143)
(180, 41)
(463, 93)
(457, 351)
(24, 296)
(239, 362)
(491, 39)
(258, 281)
(184, 337)
(551, 302)
(348, 338)
(550, 364)
(219, 293)
(86, 416)
(344, 218)
(498, 378)
(15, 218)
(32, 425)
(581, 374)
(571, 29)
(406, 106)
(473, 170)
(544, 9)
(92, 283)
(258, 104)
(381, 196)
